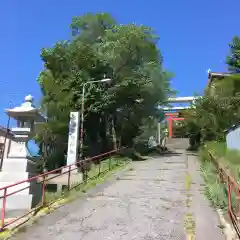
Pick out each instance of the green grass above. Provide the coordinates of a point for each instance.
(215, 190)
(229, 158)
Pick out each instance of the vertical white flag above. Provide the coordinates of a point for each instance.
(73, 137)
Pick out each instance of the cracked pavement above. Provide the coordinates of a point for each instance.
(145, 202)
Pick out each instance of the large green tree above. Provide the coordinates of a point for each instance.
(100, 47)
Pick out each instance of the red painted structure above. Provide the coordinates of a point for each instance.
(170, 118)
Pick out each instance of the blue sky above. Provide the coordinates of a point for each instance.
(194, 37)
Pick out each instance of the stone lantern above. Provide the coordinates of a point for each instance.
(27, 117)
(18, 165)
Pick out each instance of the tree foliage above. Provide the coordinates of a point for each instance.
(100, 48)
(233, 60)
(213, 114)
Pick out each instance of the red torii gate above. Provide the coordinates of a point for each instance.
(170, 118)
(175, 116)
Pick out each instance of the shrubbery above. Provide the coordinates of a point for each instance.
(215, 190)
(211, 116)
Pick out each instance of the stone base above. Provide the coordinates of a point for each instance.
(61, 181)
(18, 202)
(75, 177)
(15, 170)
(11, 215)
(31, 196)
(18, 165)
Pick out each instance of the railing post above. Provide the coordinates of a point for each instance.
(221, 175)
(170, 126)
(43, 189)
(229, 197)
(109, 164)
(85, 167)
(69, 176)
(99, 168)
(237, 202)
(4, 208)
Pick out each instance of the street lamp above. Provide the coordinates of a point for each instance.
(82, 111)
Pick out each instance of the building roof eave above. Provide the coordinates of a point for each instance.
(216, 75)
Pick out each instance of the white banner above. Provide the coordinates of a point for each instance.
(73, 137)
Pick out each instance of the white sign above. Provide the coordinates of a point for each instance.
(73, 137)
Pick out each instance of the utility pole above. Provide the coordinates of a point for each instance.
(4, 143)
(82, 112)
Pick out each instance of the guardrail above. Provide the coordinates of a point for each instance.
(233, 187)
(63, 170)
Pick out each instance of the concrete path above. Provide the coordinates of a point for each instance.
(157, 199)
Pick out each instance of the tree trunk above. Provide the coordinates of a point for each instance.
(103, 135)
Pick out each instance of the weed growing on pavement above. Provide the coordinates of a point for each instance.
(189, 225)
(187, 182)
(189, 221)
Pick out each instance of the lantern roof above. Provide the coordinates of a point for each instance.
(26, 109)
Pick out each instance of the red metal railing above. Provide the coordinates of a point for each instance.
(63, 170)
(232, 187)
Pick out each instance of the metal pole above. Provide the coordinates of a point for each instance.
(82, 113)
(4, 144)
(159, 133)
(82, 120)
